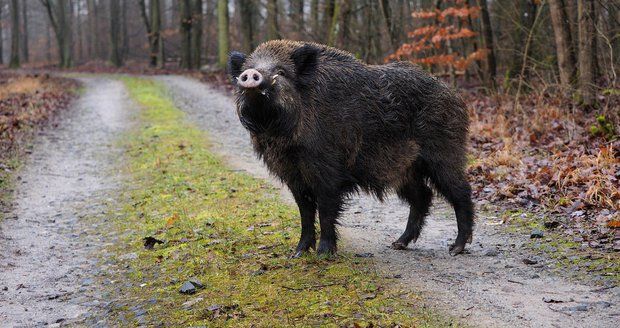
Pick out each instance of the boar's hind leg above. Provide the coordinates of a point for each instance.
(453, 185)
(306, 201)
(329, 210)
(419, 197)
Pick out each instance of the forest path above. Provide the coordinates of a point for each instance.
(489, 286)
(47, 268)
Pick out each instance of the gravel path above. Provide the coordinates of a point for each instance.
(491, 286)
(46, 262)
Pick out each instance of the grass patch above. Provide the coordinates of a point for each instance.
(585, 263)
(229, 231)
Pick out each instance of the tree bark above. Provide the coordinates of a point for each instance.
(57, 12)
(115, 33)
(328, 15)
(197, 33)
(153, 32)
(124, 31)
(296, 16)
(314, 18)
(14, 61)
(1, 47)
(92, 28)
(390, 24)
(272, 20)
(248, 24)
(25, 53)
(585, 10)
(333, 26)
(222, 32)
(186, 33)
(563, 42)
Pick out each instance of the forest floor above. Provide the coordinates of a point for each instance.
(128, 161)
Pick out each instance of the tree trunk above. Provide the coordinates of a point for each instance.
(344, 41)
(58, 12)
(153, 32)
(1, 39)
(92, 28)
(333, 26)
(186, 33)
(124, 31)
(563, 42)
(328, 15)
(248, 24)
(209, 36)
(272, 20)
(296, 16)
(389, 23)
(115, 33)
(14, 62)
(196, 33)
(527, 11)
(314, 18)
(585, 10)
(222, 32)
(48, 43)
(25, 54)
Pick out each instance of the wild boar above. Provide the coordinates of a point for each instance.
(329, 125)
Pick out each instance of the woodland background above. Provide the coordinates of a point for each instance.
(540, 76)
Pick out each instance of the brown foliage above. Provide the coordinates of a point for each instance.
(28, 101)
(541, 157)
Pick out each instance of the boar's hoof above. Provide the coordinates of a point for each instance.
(456, 249)
(326, 248)
(399, 245)
(305, 244)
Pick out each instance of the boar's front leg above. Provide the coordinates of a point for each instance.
(306, 201)
(329, 210)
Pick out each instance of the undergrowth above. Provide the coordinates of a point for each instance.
(229, 231)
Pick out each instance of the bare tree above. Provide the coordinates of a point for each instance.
(153, 24)
(115, 33)
(14, 61)
(222, 32)
(196, 33)
(333, 26)
(186, 33)
(390, 24)
(247, 11)
(272, 20)
(296, 17)
(314, 17)
(24, 35)
(527, 11)
(563, 42)
(58, 14)
(487, 37)
(1, 39)
(585, 10)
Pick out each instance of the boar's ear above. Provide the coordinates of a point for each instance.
(235, 62)
(305, 59)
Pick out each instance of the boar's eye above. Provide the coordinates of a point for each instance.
(280, 72)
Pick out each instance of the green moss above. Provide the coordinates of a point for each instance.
(230, 231)
(565, 253)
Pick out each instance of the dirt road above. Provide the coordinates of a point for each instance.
(491, 286)
(47, 269)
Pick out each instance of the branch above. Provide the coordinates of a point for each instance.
(48, 5)
(144, 16)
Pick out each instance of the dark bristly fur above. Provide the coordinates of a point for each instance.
(329, 125)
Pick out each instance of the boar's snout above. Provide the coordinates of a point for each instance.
(250, 78)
